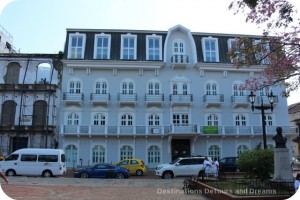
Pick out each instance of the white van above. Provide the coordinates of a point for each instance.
(45, 162)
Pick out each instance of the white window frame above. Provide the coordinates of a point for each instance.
(265, 49)
(127, 87)
(128, 36)
(212, 120)
(126, 119)
(98, 154)
(101, 87)
(269, 119)
(154, 49)
(211, 88)
(181, 120)
(153, 87)
(239, 121)
(126, 152)
(236, 89)
(77, 49)
(230, 43)
(72, 118)
(205, 52)
(153, 119)
(76, 88)
(102, 48)
(214, 151)
(99, 119)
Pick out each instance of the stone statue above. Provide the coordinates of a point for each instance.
(280, 140)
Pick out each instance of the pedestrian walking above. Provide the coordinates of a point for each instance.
(216, 167)
(3, 177)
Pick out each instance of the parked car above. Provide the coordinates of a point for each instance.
(134, 165)
(228, 164)
(295, 161)
(102, 170)
(187, 166)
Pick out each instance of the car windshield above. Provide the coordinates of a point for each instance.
(174, 161)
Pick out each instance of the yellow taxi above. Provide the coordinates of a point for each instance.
(135, 166)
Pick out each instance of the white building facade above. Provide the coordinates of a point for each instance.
(158, 95)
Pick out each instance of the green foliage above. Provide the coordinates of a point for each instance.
(257, 163)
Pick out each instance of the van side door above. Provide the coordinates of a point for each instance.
(28, 164)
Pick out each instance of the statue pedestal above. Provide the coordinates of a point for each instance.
(282, 167)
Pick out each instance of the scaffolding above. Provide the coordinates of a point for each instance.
(28, 107)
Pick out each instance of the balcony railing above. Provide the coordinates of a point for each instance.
(100, 98)
(73, 98)
(240, 101)
(154, 99)
(180, 61)
(181, 99)
(213, 100)
(173, 129)
(127, 98)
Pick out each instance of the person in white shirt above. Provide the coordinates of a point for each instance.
(216, 167)
(207, 166)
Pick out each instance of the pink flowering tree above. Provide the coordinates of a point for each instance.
(278, 49)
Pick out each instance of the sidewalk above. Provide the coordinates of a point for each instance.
(37, 188)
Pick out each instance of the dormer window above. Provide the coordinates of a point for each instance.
(76, 46)
(153, 47)
(261, 55)
(102, 46)
(210, 49)
(128, 47)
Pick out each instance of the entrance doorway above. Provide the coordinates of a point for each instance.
(19, 143)
(180, 148)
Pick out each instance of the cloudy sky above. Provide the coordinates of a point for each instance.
(39, 26)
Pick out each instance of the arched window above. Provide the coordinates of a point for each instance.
(75, 87)
(101, 87)
(73, 119)
(212, 120)
(98, 154)
(241, 149)
(214, 152)
(238, 89)
(126, 152)
(12, 73)
(127, 88)
(8, 112)
(153, 120)
(39, 113)
(126, 120)
(99, 119)
(153, 156)
(211, 89)
(153, 88)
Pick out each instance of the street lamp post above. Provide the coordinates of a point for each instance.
(262, 108)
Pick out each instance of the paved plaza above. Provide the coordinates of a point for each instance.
(65, 188)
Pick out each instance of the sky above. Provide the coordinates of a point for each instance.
(39, 26)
